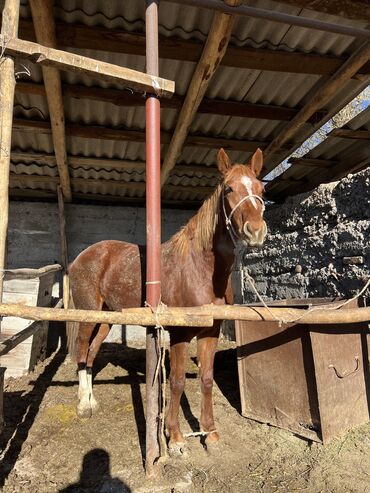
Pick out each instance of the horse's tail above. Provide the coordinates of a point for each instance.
(72, 331)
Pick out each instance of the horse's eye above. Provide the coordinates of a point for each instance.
(227, 190)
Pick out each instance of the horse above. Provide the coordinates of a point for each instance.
(196, 264)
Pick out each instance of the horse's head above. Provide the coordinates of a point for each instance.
(241, 199)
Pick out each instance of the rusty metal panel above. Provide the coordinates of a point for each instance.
(340, 368)
(273, 365)
(311, 380)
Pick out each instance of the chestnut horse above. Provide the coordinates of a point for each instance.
(196, 269)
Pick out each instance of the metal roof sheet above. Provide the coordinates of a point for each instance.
(229, 83)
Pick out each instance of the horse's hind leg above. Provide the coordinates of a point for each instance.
(83, 343)
(207, 344)
(179, 344)
(93, 351)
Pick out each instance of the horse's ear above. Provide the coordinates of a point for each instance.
(257, 162)
(223, 161)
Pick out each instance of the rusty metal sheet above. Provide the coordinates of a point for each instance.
(341, 369)
(273, 367)
(311, 380)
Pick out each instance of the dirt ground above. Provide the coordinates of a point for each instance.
(46, 448)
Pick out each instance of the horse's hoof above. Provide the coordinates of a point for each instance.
(213, 448)
(177, 449)
(212, 438)
(84, 411)
(94, 405)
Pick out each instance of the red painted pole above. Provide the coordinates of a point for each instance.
(153, 235)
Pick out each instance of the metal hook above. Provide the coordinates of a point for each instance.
(348, 372)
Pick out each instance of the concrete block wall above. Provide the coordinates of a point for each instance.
(318, 244)
(33, 237)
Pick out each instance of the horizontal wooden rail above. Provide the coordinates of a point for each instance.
(63, 60)
(31, 273)
(202, 316)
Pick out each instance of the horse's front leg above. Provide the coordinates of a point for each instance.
(178, 353)
(207, 344)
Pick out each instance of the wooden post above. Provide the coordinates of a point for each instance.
(9, 30)
(64, 248)
(43, 20)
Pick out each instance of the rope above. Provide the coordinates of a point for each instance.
(161, 348)
(199, 433)
(315, 308)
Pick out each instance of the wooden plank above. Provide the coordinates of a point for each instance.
(139, 187)
(43, 20)
(312, 163)
(352, 9)
(318, 100)
(16, 339)
(207, 106)
(76, 162)
(121, 134)
(133, 43)
(9, 30)
(95, 68)
(214, 50)
(347, 133)
(33, 274)
(63, 247)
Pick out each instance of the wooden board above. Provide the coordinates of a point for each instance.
(341, 369)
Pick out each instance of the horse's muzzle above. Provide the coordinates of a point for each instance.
(254, 237)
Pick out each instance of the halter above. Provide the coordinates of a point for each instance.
(229, 225)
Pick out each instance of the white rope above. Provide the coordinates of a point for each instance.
(161, 363)
(199, 433)
(315, 308)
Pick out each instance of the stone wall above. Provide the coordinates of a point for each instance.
(318, 243)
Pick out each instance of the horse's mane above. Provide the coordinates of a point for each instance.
(200, 229)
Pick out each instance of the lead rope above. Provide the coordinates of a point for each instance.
(161, 364)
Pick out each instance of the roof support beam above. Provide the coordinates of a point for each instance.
(133, 43)
(274, 16)
(43, 19)
(318, 100)
(9, 29)
(347, 133)
(104, 133)
(352, 9)
(53, 181)
(209, 106)
(214, 50)
(95, 68)
(78, 162)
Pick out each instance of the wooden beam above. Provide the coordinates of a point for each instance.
(76, 162)
(43, 20)
(95, 68)
(312, 163)
(214, 50)
(318, 100)
(9, 30)
(50, 196)
(118, 134)
(133, 43)
(63, 246)
(347, 133)
(139, 187)
(352, 9)
(197, 316)
(207, 106)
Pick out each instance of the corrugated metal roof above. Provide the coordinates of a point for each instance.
(229, 83)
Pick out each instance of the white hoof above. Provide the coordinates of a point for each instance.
(177, 449)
